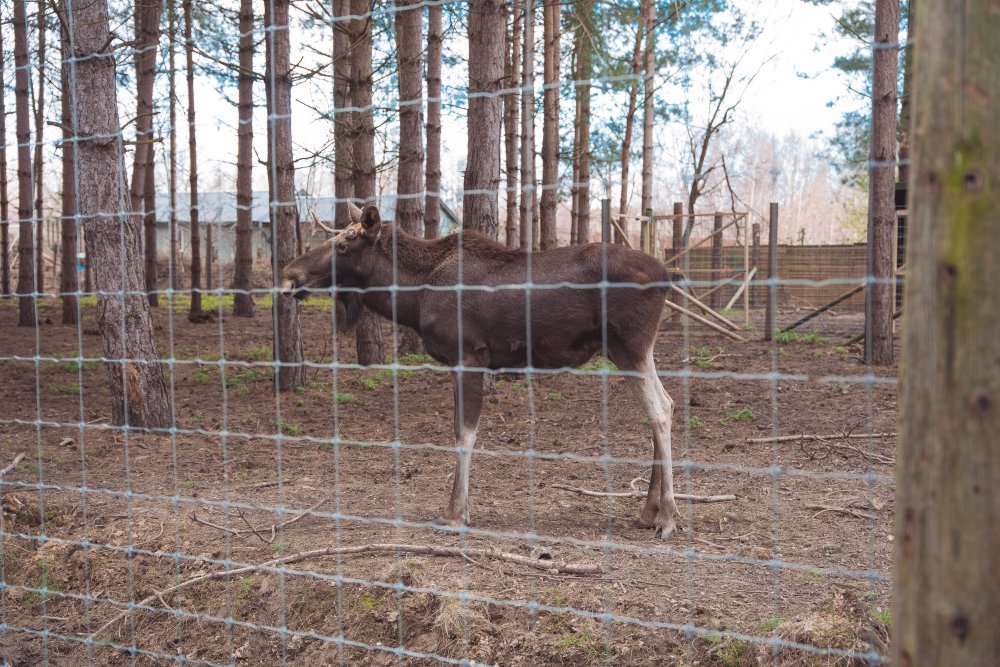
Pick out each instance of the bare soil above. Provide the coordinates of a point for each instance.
(100, 523)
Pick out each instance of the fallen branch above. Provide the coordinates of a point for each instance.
(831, 436)
(194, 517)
(641, 494)
(554, 567)
(841, 510)
(13, 464)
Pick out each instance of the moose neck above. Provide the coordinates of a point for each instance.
(414, 260)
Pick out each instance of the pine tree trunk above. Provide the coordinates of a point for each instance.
(343, 121)
(149, 220)
(648, 101)
(4, 201)
(195, 313)
(281, 171)
(68, 281)
(25, 240)
(147, 36)
(243, 305)
(368, 336)
(528, 239)
(480, 205)
(633, 98)
(37, 161)
(432, 207)
(172, 157)
(550, 124)
(906, 102)
(138, 392)
(946, 588)
(882, 185)
(512, 73)
(581, 154)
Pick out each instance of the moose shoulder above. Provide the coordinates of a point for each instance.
(549, 309)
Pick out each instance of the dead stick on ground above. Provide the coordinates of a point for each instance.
(640, 494)
(12, 465)
(194, 517)
(841, 510)
(831, 436)
(556, 567)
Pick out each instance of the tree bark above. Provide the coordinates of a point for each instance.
(946, 589)
(432, 207)
(147, 37)
(37, 162)
(528, 239)
(243, 305)
(172, 151)
(4, 201)
(581, 152)
(487, 27)
(716, 301)
(281, 172)
(138, 393)
(343, 121)
(882, 185)
(906, 103)
(195, 313)
(26, 279)
(633, 97)
(368, 336)
(550, 124)
(512, 70)
(648, 101)
(68, 281)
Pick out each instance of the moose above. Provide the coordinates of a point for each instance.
(478, 306)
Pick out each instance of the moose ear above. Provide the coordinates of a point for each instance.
(354, 211)
(370, 219)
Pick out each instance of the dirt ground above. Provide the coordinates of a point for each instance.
(98, 524)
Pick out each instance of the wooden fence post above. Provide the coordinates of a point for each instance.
(946, 574)
(716, 260)
(770, 322)
(678, 229)
(605, 221)
(755, 261)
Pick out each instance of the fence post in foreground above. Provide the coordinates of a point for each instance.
(605, 221)
(755, 262)
(946, 585)
(772, 274)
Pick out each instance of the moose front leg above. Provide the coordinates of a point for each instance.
(468, 407)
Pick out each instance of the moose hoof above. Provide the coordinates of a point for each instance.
(664, 525)
(446, 525)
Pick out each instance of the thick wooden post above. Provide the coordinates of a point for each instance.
(717, 260)
(770, 322)
(605, 221)
(678, 229)
(946, 586)
(755, 262)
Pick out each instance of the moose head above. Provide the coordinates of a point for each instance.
(340, 261)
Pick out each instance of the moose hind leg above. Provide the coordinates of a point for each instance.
(660, 510)
(468, 407)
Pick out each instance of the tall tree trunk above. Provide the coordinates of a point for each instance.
(648, 89)
(68, 280)
(281, 172)
(480, 206)
(432, 207)
(243, 305)
(882, 181)
(147, 37)
(528, 238)
(172, 157)
(550, 124)
(368, 336)
(195, 313)
(37, 163)
(581, 152)
(4, 202)
(25, 242)
(633, 98)
(410, 175)
(512, 73)
(946, 586)
(210, 257)
(149, 217)
(138, 393)
(343, 121)
(904, 127)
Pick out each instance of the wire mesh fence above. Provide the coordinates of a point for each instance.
(299, 525)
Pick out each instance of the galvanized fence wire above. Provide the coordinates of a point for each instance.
(90, 634)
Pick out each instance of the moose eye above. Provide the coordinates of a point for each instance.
(351, 233)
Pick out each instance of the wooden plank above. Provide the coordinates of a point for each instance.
(705, 308)
(709, 323)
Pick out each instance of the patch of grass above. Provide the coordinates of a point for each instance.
(501, 384)
(254, 374)
(816, 573)
(571, 641)
(770, 624)
(883, 615)
(703, 351)
(840, 349)
(415, 359)
(45, 585)
(644, 421)
(741, 415)
(599, 364)
(259, 353)
(706, 363)
(343, 398)
(201, 376)
(190, 484)
(246, 584)
(730, 653)
(694, 422)
(280, 545)
(814, 337)
(300, 390)
(729, 312)
(518, 388)
(786, 337)
(554, 396)
(68, 388)
(370, 382)
(76, 366)
(242, 390)
(287, 428)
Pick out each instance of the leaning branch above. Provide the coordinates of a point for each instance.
(641, 494)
